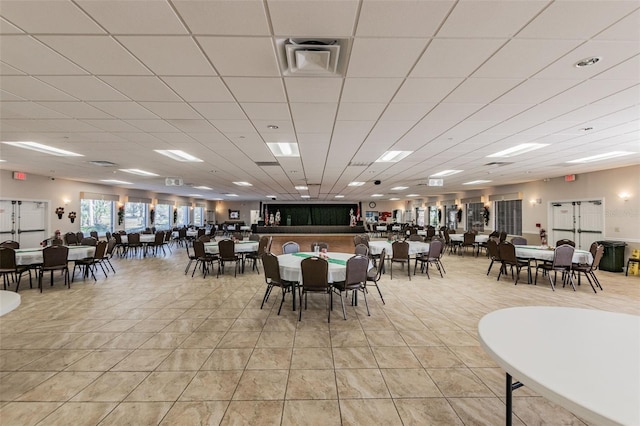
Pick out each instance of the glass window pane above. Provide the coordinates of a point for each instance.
(163, 217)
(96, 215)
(509, 216)
(135, 217)
(475, 219)
(198, 216)
(183, 216)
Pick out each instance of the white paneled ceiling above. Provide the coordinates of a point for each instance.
(453, 81)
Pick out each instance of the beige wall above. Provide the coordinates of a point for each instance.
(621, 217)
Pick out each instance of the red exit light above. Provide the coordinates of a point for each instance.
(19, 176)
(569, 178)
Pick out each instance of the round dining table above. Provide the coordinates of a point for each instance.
(480, 238)
(415, 247)
(546, 254)
(33, 256)
(239, 247)
(290, 265)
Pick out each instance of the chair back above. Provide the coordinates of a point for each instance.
(263, 242)
(435, 249)
(254, 237)
(378, 270)
(271, 268)
(238, 236)
(495, 234)
(204, 238)
(10, 244)
(182, 233)
(320, 245)
(290, 247)
(507, 252)
(315, 273)
(70, 239)
(431, 232)
(598, 257)
(565, 241)
(201, 232)
(227, 249)
(101, 249)
(133, 238)
(88, 241)
(357, 267)
(593, 248)
(357, 240)
(94, 234)
(57, 242)
(563, 256)
(79, 236)
(400, 250)
(503, 236)
(469, 238)
(492, 248)
(167, 236)
(415, 237)
(118, 238)
(198, 249)
(159, 238)
(111, 244)
(7, 259)
(362, 250)
(519, 241)
(55, 256)
(447, 238)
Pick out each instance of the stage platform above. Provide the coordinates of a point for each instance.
(310, 229)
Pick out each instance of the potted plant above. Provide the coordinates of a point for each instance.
(60, 212)
(152, 216)
(72, 216)
(486, 215)
(120, 215)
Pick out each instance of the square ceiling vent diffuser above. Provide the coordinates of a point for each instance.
(311, 57)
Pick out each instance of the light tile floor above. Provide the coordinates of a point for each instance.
(151, 345)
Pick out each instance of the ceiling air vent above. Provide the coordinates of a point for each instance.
(498, 163)
(173, 181)
(267, 163)
(312, 57)
(359, 164)
(102, 163)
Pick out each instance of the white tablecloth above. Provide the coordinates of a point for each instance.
(480, 238)
(290, 266)
(190, 233)
(414, 247)
(144, 238)
(30, 256)
(539, 253)
(240, 247)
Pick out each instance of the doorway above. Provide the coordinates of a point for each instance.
(23, 221)
(579, 221)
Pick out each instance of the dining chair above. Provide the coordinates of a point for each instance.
(158, 243)
(111, 245)
(355, 280)
(562, 262)
(10, 270)
(492, 250)
(519, 241)
(54, 258)
(589, 270)
(565, 241)
(415, 237)
(374, 274)
(89, 241)
(290, 247)
(272, 279)
(361, 250)
(94, 234)
(133, 243)
(507, 253)
(315, 279)
(89, 265)
(400, 254)
(432, 257)
(70, 239)
(10, 244)
(468, 240)
(227, 253)
(204, 259)
(320, 245)
(191, 257)
(256, 256)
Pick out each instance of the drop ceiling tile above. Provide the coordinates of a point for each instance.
(8, 28)
(266, 110)
(177, 139)
(535, 91)
(49, 17)
(397, 55)
(587, 19)
(236, 126)
(498, 112)
(354, 111)
(86, 88)
(125, 110)
(29, 55)
(370, 89)
(231, 17)
(219, 110)
(484, 19)
(627, 70)
(200, 89)
(325, 112)
(172, 110)
(284, 130)
(481, 90)
(397, 111)
(524, 58)
(141, 88)
(301, 89)
(169, 55)
(134, 17)
(625, 29)
(6, 96)
(156, 126)
(590, 91)
(401, 18)
(452, 111)
(111, 125)
(27, 110)
(290, 18)
(612, 53)
(32, 89)
(9, 70)
(317, 125)
(76, 109)
(241, 56)
(193, 126)
(426, 90)
(454, 57)
(96, 54)
(256, 89)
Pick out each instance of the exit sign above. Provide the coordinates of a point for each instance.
(19, 176)
(569, 178)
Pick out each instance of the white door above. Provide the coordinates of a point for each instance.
(578, 221)
(23, 221)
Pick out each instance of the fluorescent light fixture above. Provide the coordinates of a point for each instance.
(399, 188)
(178, 155)
(305, 196)
(270, 196)
(476, 182)
(446, 173)
(600, 157)
(115, 181)
(377, 195)
(35, 146)
(339, 196)
(3, 161)
(242, 183)
(203, 187)
(518, 149)
(412, 195)
(231, 195)
(302, 188)
(218, 199)
(393, 156)
(355, 183)
(138, 172)
(394, 199)
(284, 149)
(194, 195)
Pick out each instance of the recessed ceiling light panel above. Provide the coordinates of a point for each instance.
(601, 157)
(35, 146)
(476, 182)
(284, 149)
(399, 188)
(445, 173)
(393, 156)
(115, 181)
(138, 172)
(242, 183)
(178, 155)
(518, 149)
(355, 183)
(301, 188)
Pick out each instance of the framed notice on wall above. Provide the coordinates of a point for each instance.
(234, 214)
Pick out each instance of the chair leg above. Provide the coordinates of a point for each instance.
(282, 301)
(266, 295)
(365, 301)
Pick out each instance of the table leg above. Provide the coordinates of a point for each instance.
(510, 388)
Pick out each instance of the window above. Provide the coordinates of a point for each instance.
(135, 217)
(183, 215)
(433, 216)
(509, 216)
(198, 216)
(163, 216)
(475, 221)
(96, 215)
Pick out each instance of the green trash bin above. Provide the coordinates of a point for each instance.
(613, 256)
